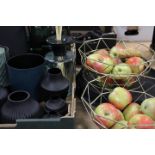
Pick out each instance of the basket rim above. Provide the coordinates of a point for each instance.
(84, 56)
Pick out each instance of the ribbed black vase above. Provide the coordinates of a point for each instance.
(20, 105)
(54, 85)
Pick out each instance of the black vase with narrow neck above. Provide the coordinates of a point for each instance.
(54, 85)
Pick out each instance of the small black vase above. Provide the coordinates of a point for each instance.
(3, 95)
(54, 85)
(56, 107)
(20, 105)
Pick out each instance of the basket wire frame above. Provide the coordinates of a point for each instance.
(89, 104)
(134, 86)
(90, 46)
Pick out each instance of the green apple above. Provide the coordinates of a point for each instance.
(120, 97)
(131, 110)
(141, 121)
(121, 71)
(107, 115)
(148, 107)
(121, 125)
(117, 51)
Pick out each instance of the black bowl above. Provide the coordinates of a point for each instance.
(56, 107)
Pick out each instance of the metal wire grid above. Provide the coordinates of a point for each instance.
(142, 92)
(90, 46)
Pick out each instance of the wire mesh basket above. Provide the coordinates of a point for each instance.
(144, 89)
(91, 46)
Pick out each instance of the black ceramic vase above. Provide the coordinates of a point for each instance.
(54, 85)
(56, 107)
(3, 95)
(19, 105)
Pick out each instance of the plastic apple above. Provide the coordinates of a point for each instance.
(136, 64)
(107, 114)
(91, 59)
(129, 81)
(119, 115)
(102, 52)
(131, 110)
(122, 52)
(126, 83)
(117, 61)
(141, 121)
(106, 81)
(121, 71)
(120, 97)
(116, 51)
(104, 64)
(120, 125)
(148, 107)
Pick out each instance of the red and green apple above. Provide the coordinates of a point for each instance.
(131, 110)
(107, 115)
(120, 97)
(102, 52)
(121, 71)
(141, 121)
(91, 59)
(148, 107)
(136, 64)
(104, 64)
(120, 125)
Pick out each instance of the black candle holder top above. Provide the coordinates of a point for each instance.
(59, 46)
